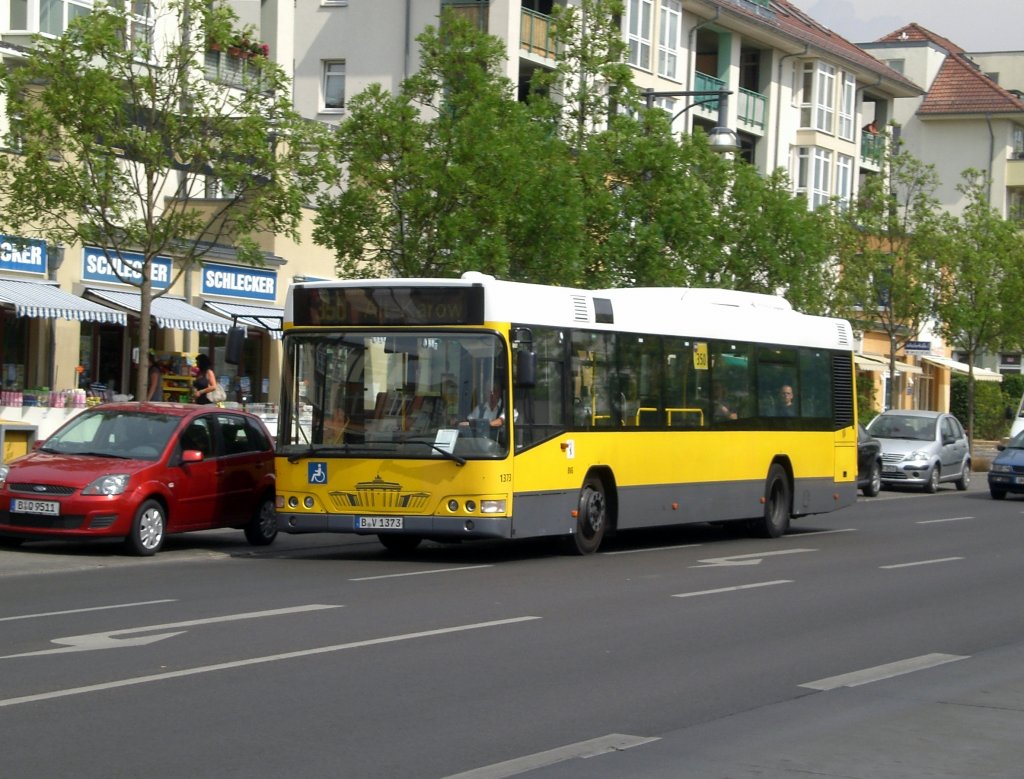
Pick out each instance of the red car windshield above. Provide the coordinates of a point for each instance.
(115, 433)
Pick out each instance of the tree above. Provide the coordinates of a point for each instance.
(980, 301)
(451, 174)
(888, 251)
(119, 132)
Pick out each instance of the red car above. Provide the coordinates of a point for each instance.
(140, 471)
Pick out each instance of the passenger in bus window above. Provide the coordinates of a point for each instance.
(720, 408)
(787, 408)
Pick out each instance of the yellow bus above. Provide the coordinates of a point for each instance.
(472, 408)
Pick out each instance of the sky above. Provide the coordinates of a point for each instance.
(978, 25)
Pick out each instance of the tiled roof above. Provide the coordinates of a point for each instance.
(914, 32)
(959, 87)
(785, 18)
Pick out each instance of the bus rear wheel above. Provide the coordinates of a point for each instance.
(591, 518)
(777, 499)
(398, 544)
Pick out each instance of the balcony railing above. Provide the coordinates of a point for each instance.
(872, 147)
(535, 34)
(753, 108)
(702, 82)
(231, 70)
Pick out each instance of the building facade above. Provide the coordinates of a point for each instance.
(68, 321)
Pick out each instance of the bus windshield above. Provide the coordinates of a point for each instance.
(409, 394)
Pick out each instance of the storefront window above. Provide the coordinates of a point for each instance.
(14, 342)
(243, 382)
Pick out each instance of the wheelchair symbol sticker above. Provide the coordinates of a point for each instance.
(317, 472)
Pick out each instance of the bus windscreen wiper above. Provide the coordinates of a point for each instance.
(449, 455)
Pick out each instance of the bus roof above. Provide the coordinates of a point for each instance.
(683, 311)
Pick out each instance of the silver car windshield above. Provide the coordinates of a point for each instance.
(908, 427)
(415, 395)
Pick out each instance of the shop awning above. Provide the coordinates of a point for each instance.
(169, 312)
(262, 317)
(865, 362)
(877, 363)
(981, 374)
(42, 300)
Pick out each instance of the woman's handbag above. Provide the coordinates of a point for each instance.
(218, 395)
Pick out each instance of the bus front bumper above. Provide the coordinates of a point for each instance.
(449, 528)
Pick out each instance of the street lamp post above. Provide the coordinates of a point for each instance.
(722, 138)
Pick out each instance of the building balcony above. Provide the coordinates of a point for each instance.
(752, 109)
(702, 82)
(535, 34)
(872, 149)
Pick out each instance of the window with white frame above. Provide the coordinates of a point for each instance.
(821, 189)
(818, 97)
(668, 38)
(807, 95)
(844, 180)
(847, 107)
(19, 15)
(638, 24)
(334, 85)
(55, 15)
(1018, 142)
(825, 108)
(813, 174)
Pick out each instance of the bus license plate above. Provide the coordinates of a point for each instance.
(379, 523)
(48, 507)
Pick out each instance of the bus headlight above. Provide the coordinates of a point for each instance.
(492, 506)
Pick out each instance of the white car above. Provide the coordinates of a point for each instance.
(922, 448)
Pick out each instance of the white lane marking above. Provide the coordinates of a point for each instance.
(90, 608)
(733, 589)
(418, 573)
(107, 640)
(802, 534)
(745, 559)
(614, 742)
(650, 549)
(933, 521)
(920, 562)
(887, 671)
(232, 664)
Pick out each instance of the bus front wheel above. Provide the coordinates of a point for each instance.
(591, 518)
(777, 500)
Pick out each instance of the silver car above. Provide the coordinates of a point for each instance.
(922, 448)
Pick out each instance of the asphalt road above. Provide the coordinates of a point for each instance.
(885, 640)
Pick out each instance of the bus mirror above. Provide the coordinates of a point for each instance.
(236, 340)
(526, 369)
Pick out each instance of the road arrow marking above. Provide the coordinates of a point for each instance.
(108, 639)
(745, 559)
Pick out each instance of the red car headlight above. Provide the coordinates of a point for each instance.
(111, 484)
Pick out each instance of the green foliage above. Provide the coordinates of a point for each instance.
(990, 421)
(980, 300)
(866, 410)
(451, 174)
(885, 247)
(583, 185)
(1013, 389)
